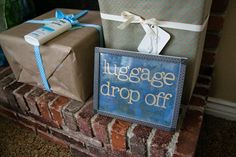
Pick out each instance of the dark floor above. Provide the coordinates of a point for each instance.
(16, 141)
(217, 139)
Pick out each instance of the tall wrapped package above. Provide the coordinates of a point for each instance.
(67, 59)
(184, 20)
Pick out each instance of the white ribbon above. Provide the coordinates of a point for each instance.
(155, 38)
(165, 24)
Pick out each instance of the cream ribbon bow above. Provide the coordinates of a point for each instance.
(155, 38)
(132, 18)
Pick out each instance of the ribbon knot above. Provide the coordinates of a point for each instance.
(155, 38)
(133, 18)
(72, 18)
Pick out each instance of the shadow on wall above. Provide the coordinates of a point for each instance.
(43, 6)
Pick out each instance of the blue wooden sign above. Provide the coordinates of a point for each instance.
(138, 87)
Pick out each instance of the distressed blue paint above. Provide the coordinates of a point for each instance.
(139, 111)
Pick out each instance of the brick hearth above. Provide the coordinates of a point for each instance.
(75, 126)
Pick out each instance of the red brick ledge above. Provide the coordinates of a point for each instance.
(75, 126)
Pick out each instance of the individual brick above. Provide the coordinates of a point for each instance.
(100, 128)
(44, 120)
(43, 103)
(1, 69)
(19, 95)
(4, 82)
(212, 41)
(52, 138)
(7, 113)
(31, 99)
(219, 6)
(56, 109)
(138, 136)
(25, 119)
(188, 137)
(206, 70)
(216, 23)
(118, 134)
(65, 137)
(27, 122)
(5, 72)
(201, 91)
(159, 143)
(32, 122)
(80, 152)
(68, 113)
(78, 136)
(100, 152)
(40, 126)
(197, 101)
(83, 117)
(208, 58)
(118, 153)
(25, 126)
(8, 90)
(204, 80)
(175, 155)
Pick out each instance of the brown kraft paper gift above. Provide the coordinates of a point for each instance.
(67, 59)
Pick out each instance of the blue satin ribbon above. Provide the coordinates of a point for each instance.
(72, 18)
(39, 63)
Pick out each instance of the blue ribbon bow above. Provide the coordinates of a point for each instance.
(73, 19)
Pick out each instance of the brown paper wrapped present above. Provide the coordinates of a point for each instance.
(67, 59)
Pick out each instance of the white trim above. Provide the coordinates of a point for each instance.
(165, 24)
(221, 108)
(222, 101)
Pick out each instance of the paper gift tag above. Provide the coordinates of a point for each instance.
(154, 40)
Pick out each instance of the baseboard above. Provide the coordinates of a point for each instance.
(221, 108)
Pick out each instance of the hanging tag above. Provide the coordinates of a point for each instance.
(146, 43)
(154, 40)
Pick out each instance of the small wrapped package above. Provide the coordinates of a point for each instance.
(67, 59)
(184, 20)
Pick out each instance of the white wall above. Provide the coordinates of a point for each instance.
(224, 79)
